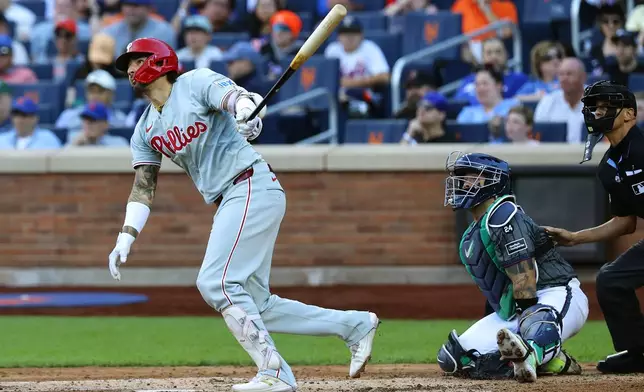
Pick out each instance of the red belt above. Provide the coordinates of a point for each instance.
(244, 175)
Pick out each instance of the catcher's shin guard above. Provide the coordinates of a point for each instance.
(540, 328)
(453, 359)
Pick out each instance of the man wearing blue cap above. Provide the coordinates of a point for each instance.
(25, 134)
(9, 72)
(244, 65)
(95, 117)
(197, 33)
(429, 124)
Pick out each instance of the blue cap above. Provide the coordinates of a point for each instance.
(197, 22)
(241, 51)
(435, 100)
(350, 24)
(95, 111)
(6, 43)
(24, 105)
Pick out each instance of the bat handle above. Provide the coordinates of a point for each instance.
(276, 87)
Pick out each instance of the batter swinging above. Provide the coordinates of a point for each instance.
(199, 121)
(534, 292)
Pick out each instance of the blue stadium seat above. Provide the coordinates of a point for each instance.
(219, 67)
(469, 133)
(307, 20)
(636, 82)
(545, 11)
(374, 131)
(46, 115)
(443, 5)
(550, 132)
(369, 5)
(454, 108)
(300, 6)
(371, 20)
(123, 92)
(122, 132)
(422, 30)
(187, 65)
(225, 40)
(316, 72)
(389, 43)
(37, 6)
(123, 106)
(166, 8)
(61, 133)
(49, 95)
(43, 71)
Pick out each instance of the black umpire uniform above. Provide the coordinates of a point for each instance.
(621, 172)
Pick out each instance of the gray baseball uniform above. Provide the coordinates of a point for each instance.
(198, 135)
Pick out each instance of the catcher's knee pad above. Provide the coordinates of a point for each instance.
(541, 325)
(455, 360)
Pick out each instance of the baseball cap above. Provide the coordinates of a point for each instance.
(6, 44)
(102, 78)
(435, 100)
(418, 78)
(241, 51)
(286, 20)
(625, 37)
(68, 25)
(95, 111)
(101, 49)
(24, 105)
(198, 22)
(350, 24)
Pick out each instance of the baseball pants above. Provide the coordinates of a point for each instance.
(570, 301)
(616, 285)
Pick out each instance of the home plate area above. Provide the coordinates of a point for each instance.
(378, 378)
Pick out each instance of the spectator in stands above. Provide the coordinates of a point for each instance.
(496, 56)
(626, 64)
(639, 98)
(5, 106)
(22, 17)
(418, 84)
(220, 12)
(46, 31)
(112, 12)
(363, 66)
(138, 107)
(244, 65)
(635, 24)
(399, 7)
(610, 19)
(283, 42)
(476, 14)
(66, 49)
(258, 21)
(491, 106)
(100, 55)
(20, 55)
(197, 33)
(100, 87)
(545, 60)
(25, 133)
(137, 23)
(518, 125)
(429, 124)
(9, 72)
(564, 105)
(95, 117)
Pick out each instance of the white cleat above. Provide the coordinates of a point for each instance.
(361, 351)
(263, 383)
(513, 348)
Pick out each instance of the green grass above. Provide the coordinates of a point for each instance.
(190, 341)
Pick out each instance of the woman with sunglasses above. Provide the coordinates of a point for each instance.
(545, 59)
(610, 19)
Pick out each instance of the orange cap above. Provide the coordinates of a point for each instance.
(289, 19)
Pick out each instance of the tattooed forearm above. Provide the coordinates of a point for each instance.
(145, 185)
(524, 279)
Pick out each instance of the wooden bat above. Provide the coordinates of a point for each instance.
(311, 45)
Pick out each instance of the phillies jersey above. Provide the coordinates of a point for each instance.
(196, 133)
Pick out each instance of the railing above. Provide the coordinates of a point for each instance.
(396, 74)
(332, 133)
(576, 36)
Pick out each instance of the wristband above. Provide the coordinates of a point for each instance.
(525, 303)
(136, 214)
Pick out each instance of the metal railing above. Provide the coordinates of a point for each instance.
(332, 133)
(396, 74)
(576, 36)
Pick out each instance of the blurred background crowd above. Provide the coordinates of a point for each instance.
(395, 71)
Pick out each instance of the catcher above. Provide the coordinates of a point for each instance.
(535, 294)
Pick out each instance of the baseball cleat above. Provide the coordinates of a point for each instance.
(263, 383)
(562, 363)
(361, 351)
(622, 363)
(523, 358)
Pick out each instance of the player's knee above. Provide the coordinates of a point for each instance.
(213, 292)
(542, 325)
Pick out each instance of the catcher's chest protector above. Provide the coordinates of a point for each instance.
(477, 253)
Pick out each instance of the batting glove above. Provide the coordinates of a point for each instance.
(119, 255)
(250, 129)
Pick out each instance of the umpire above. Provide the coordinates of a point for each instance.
(610, 110)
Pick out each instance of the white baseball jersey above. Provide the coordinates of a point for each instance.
(366, 60)
(196, 133)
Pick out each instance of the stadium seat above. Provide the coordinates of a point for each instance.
(166, 8)
(187, 65)
(469, 133)
(299, 6)
(122, 132)
(388, 42)
(316, 72)
(443, 5)
(307, 20)
(636, 82)
(371, 20)
(422, 30)
(369, 5)
(38, 7)
(454, 108)
(61, 133)
(545, 11)
(374, 131)
(49, 95)
(225, 40)
(43, 71)
(550, 132)
(123, 92)
(219, 67)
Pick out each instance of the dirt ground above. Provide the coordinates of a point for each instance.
(416, 302)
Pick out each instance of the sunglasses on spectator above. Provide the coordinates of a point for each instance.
(552, 55)
(64, 35)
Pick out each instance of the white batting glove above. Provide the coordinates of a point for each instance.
(119, 255)
(250, 129)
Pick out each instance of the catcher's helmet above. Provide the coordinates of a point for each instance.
(614, 97)
(161, 59)
(474, 178)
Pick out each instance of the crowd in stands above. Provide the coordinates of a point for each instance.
(59, 86)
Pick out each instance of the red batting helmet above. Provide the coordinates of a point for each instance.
(161, 59)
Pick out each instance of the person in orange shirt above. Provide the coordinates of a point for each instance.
(476, 14)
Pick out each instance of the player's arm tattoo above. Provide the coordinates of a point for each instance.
(524, 279)
(143, 190)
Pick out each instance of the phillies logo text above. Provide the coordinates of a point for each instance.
(177, 140)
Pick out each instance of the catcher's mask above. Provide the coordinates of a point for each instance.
(474, 178)
(603, 102)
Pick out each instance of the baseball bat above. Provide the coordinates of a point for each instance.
(311, 45)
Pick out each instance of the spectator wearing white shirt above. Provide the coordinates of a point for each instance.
(197, 33)
(363, 66)
(21, 16)
(25, 134)
(564, 105)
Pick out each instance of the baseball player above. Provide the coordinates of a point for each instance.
(199, 120)
(537, 300)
